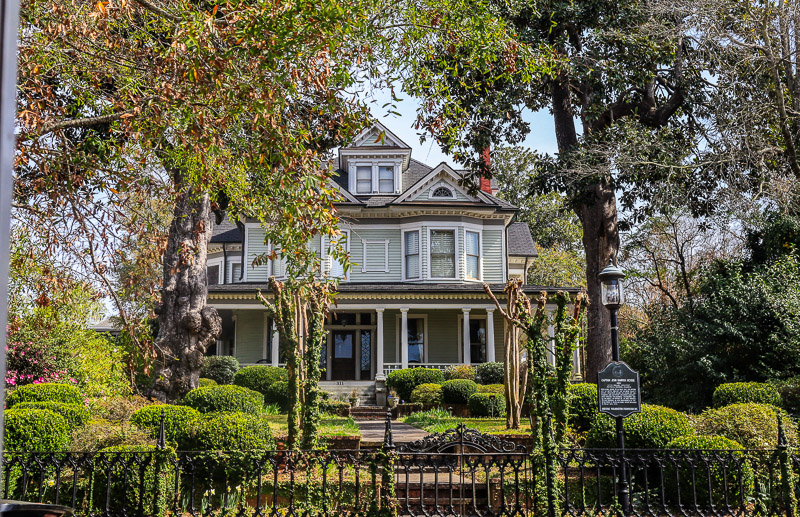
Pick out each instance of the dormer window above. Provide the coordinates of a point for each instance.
(379, 177)
(442, 192)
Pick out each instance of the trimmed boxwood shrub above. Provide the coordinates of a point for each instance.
(202, 381)
(481, 405)
(755, 426)
(125, 485)
(45, 392)
(790, 394)
(459, 371)
(334, 407)
(428, 393)
(492, 388)
(278, 393)
(733, 477)
(209, 399)
(260, 377)
(404, 381)
(220, 369)
(490, 373)
(740, 392)
(458, 391)
(76, 415)
(227, 432)
(177, 419)
(35, 430)
(582, 405)
(654, 428)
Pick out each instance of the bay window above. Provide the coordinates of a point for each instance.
(442, 253)
(411, 255)
(473, 251)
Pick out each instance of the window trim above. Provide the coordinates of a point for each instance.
(399, 337)
(365, 268)
(443, 185)
(456, 255)
(403, 233)
(231, 262)
(327, 259)
(480, 255)
(220, 270)
(375, 164)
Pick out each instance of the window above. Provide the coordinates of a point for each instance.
(363, 179)
(386, 179)
(473, 246)
(416, 340)
(376, 256)
(336, 268)
(212, 275)
(236, 272)
(411, 249)
(443, 253)
(477, 341)
(442, 191)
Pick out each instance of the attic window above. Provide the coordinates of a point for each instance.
(443, 192)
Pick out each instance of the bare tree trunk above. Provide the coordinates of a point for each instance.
(187, 326)
(598, 215)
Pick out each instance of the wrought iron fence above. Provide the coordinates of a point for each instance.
(458, 472)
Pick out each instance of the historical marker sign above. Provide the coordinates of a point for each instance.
(618, 390)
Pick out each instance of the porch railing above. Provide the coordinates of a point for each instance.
(390, 367)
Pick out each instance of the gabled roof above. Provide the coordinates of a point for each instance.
(378, 135)
(441, 170)
(520, 241)
(226, 232)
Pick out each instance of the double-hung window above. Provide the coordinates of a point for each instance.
(364, 179)
(473, 252)
(386, 179)
(373, 178)
(443, 253)
(411, 255)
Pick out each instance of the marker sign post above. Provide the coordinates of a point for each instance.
(618, 391)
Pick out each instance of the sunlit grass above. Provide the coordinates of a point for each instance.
(439, 420)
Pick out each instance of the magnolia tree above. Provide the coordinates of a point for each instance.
(228, 105)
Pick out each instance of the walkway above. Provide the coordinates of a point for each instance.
(372, 432)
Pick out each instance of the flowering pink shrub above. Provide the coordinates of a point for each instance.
(30, 363)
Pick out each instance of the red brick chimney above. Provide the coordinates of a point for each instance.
(486, 183)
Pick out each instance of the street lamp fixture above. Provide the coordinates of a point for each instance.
(611, 286)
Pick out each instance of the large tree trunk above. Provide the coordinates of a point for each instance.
(598, 215)
(186, 326)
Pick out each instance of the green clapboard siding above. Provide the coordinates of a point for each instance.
(443, 336)
(255, 247)
(493, 256)
(249, 335)
(375, 259)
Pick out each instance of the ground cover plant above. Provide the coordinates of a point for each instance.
(439, 420)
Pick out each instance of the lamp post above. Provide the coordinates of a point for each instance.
(612, 297)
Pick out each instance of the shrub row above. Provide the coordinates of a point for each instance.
(741, 392)
(455, 391)
(404, 381)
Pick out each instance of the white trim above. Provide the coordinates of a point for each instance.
(398, 142)
(374, 164)
(415, 189)
(220, 272)
(456, 257)
(403, 233)
(398, 336)
(472, 316)
(365, 268)
(267, 336)
(444, 185)
(480, 254)
(231, 262)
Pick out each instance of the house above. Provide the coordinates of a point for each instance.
(421, 248)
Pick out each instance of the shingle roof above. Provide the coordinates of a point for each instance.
(226, 232)
(394, 287)
(415, 172)
(520, 241)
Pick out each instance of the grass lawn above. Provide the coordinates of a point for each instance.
(329, 426)
(436, 421)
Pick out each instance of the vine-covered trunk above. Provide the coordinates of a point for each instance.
(598, 215)
(186, 325)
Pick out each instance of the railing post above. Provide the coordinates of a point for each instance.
(388, 441)
(161, 438)
(787, 472)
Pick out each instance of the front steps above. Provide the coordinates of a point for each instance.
(368, 413)
(342, 390)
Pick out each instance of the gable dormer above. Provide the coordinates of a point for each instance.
(375, 162)
(440, 184)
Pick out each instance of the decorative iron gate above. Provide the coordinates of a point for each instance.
(463, 472)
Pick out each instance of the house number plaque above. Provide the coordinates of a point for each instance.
(618, 390)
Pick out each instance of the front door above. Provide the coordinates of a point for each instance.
(344, 355)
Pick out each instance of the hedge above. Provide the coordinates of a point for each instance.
(278, 393)
(490, 373)
(35, 430)
(428, 393)
(177, 420)
(582, 405)
(492, 388)
(741, 392)
(755, 426)
(458, 391)
(334, 407)
(228, 432)
(202, 381)
(260, 377)
(654, 428)
(209, 399)
(480, 404)
(220, 369)
(45, 392)
(76, 415)
(404, 381)
(459, 371)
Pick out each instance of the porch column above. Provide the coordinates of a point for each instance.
(551, 340)
(276, 345)
(379, 343)
(465, 339)
(490, 335)
(403, 338)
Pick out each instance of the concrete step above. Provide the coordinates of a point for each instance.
(343, 390)
(371, 412)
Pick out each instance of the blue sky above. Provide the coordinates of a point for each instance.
(542, 137)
